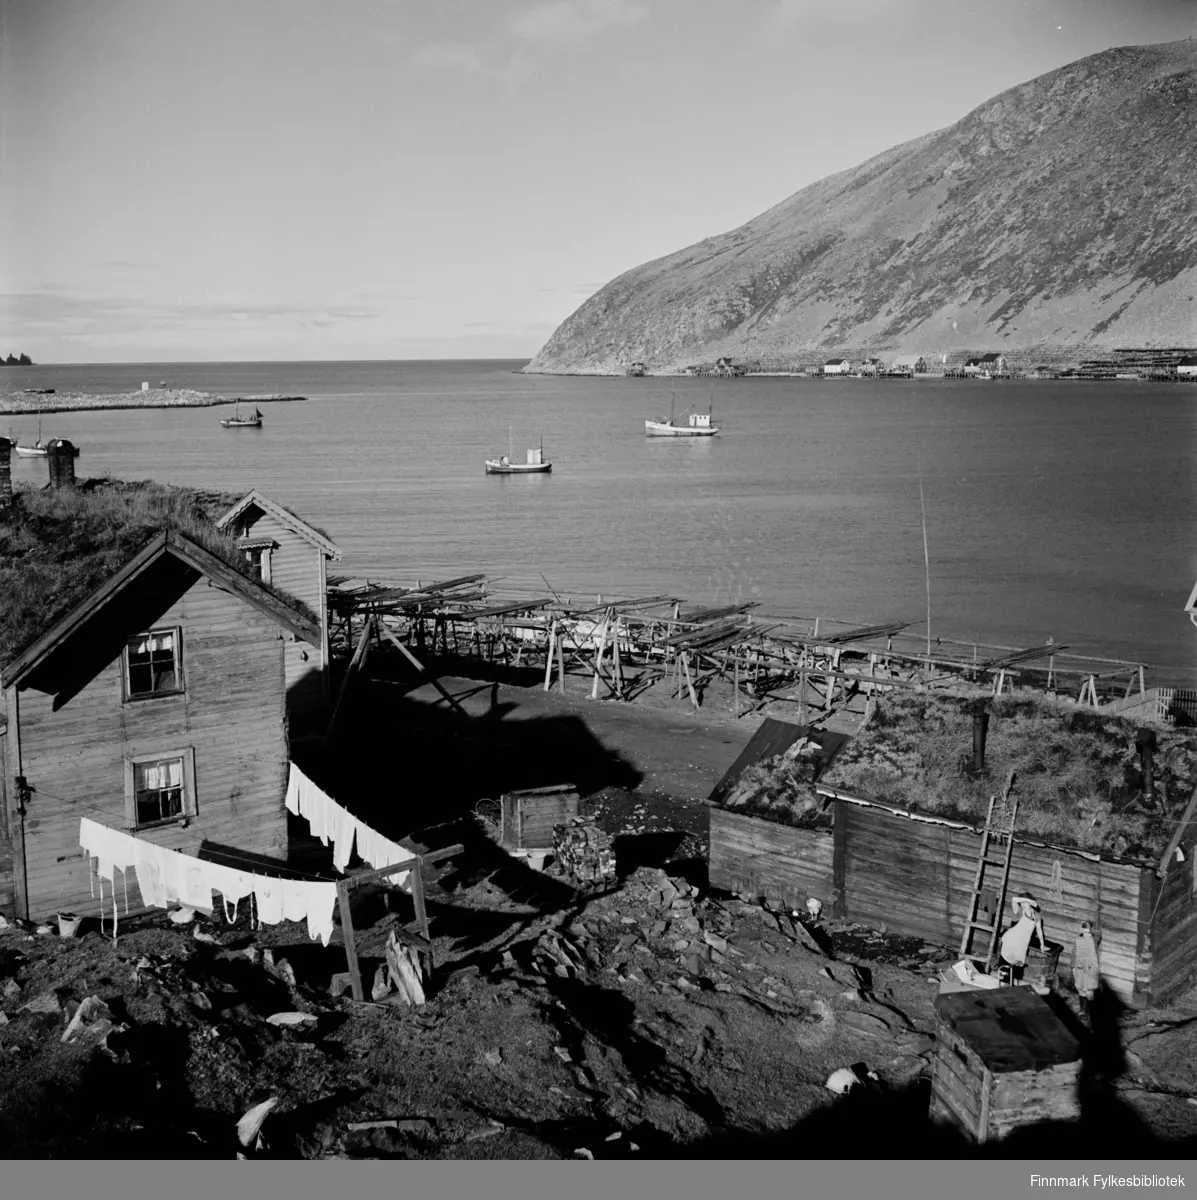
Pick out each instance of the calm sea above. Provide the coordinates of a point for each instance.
(1061, 509)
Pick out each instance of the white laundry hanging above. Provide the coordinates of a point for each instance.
(166, 876)
(329, 820)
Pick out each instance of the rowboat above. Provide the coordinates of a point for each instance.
(237, 421)
(697, 425)
(535, 464)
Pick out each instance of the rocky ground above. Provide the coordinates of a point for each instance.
(647, 1017)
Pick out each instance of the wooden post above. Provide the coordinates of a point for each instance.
(548, 658)
(736, 688)
(801, 697)
(616, 661)
(689, 683)
(415, 662)
(560, 666)
(417, 900)
(1142, 685)
(598, 658)
(355, 972)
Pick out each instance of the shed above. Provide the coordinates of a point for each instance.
(1187, 366)
(837, 366)
(1002, 1060)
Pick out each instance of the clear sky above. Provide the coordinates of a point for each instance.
(331, 179)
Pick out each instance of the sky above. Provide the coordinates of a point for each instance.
(213, 180)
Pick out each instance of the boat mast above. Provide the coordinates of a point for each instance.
(510, 444)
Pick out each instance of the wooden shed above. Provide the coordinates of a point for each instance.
(155, 706)
(530, 815)
(289, 553)
(1002, 1060)
(885, 865)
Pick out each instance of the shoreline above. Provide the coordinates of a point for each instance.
(18, 404)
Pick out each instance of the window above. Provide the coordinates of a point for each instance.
(153, 666)
(257, 554)
(159, 788)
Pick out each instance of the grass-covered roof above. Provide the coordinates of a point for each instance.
(58, 546)
(1077, 772)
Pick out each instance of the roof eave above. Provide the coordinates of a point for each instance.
(276, 510)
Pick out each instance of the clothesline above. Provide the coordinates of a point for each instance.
(167, 876)
(330, 821)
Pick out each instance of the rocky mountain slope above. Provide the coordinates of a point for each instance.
(1061, 213)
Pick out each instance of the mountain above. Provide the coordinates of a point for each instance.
(1062, 213)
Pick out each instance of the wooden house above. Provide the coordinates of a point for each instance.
(911, 364)
(1187, 367)
(993, 362)
(837, 366)
(636, 369)
(156, 705)
(1002, 1060)
(292, 555)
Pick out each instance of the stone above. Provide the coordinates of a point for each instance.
(865, 1023)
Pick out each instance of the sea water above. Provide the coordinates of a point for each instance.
(1058, 509)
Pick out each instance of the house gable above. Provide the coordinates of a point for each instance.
(185, 551)
(284, 516)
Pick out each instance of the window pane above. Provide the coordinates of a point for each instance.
(141, 679)
(158, 788)
(153, 666)
(164, 678)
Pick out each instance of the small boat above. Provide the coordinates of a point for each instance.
(37, 450)
(698, 425)
(535, 465)
(237, 421)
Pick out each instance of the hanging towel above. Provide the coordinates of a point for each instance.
(344, 827)
(149, 874)
(268, 895)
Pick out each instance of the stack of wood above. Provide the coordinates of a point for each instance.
(584, 850)
(401, 974)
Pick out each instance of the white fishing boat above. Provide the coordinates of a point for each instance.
(697, 424)
(535, 464)
(237, 421)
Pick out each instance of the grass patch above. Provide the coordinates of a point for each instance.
(1077, 772)
(58, 545)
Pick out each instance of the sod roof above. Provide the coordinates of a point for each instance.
(1077, 772)
(58, 546)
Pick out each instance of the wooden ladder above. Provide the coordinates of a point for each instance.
(997, 847)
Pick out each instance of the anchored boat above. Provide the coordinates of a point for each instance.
(697, 425)
(237, 421)
(535, 465)
(37, 450)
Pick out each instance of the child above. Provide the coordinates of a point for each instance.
(1085, 974)
(1016, 941)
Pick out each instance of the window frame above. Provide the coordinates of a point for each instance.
(133, 761)
(264, 547)
(180, 687)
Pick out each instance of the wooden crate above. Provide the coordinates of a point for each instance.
(529, 816)
(1002, 1059)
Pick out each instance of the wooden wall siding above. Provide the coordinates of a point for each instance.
(232, 714)
(765, 859)
(295, 566)
(916, 878)
(1174, 930)
(8, 896)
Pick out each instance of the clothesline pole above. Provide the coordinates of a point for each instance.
(355, 972)
(415, 865)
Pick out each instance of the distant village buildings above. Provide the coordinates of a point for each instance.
(837, 366)
(914, 364)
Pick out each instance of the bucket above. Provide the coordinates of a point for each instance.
(536, 859)
(68, 924)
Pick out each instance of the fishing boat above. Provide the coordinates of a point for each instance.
(237, 421)
(697, 424)
(37, 450)
(535, 465)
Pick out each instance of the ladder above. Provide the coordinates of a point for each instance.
(997, 847)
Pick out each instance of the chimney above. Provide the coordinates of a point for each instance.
(980, 713)
(1145, 741)
(61, 455)
(5, 472)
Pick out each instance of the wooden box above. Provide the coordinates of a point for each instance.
(529, 815)
(1002, 1059)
